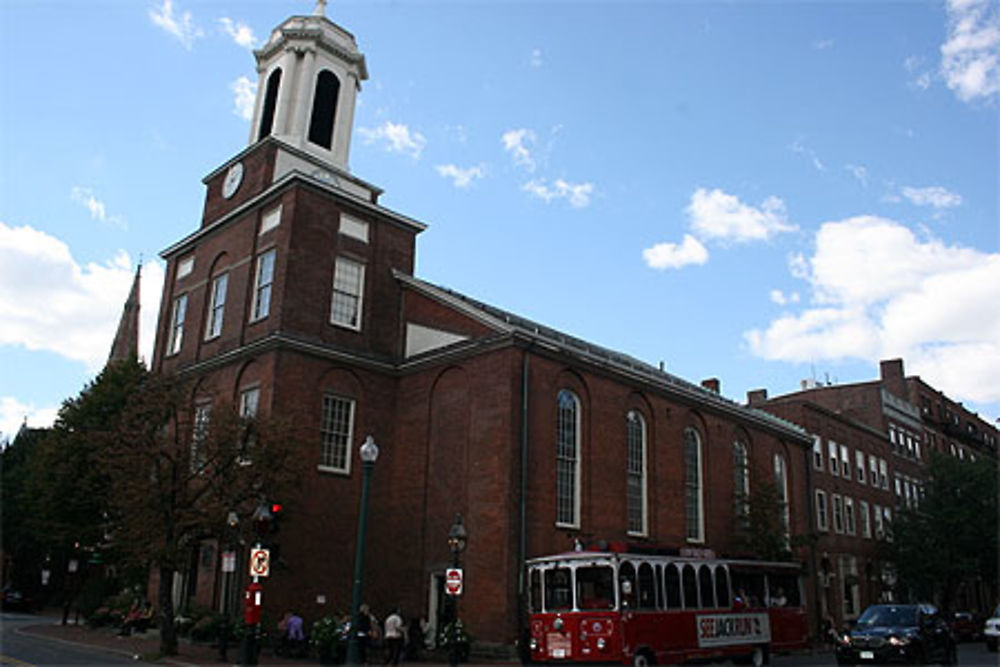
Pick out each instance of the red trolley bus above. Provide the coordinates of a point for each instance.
(643, 609)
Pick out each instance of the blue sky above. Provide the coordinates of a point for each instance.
(762, 192)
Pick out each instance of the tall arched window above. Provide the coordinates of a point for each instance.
(568, 460)
(324, 109)
(270, 100)
(635, 431)
(693, 510)
(741, 481)
(781, 482)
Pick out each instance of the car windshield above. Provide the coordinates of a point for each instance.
(888, 615)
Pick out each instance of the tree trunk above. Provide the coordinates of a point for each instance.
(168, 633)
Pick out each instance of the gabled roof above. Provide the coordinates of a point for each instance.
(506, 322)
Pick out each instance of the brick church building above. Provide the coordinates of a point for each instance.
(296, 297)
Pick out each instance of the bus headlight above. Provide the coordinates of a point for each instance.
(533, 644)
(557, 624)
(601, 644)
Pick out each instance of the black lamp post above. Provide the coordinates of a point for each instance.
(458, 537)
(261, 519)
(368, 454)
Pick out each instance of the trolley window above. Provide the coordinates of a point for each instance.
(558, 594)
(595, 587)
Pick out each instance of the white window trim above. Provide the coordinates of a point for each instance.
(822, 524)
(214, 306)
(270, 220)
(360, 296)
(817, 453)
(185, 266)
(845, 462)
(866, 522)
(644, 502)
(177, 318)
(258, 287)
(700, 538)
(850, 518)
(354, 227)
(575, 523)
(837, 501)
(346, 470)
(833, 459)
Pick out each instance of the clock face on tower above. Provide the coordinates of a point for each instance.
(233, 179)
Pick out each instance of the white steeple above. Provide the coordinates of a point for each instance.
(310, 72)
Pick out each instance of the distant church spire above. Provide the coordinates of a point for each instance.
(320, 8)
(126, 344)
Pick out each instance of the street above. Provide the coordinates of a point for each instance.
(20, 650)
(970, 654)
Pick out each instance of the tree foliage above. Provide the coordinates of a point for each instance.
(951, 536)
(761, 528)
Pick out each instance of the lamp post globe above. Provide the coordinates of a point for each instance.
(368, 453)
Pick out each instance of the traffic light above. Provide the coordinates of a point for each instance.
(277, 511)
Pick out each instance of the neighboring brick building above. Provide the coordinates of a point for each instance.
(297, 297)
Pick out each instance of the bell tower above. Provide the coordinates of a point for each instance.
(310, 71)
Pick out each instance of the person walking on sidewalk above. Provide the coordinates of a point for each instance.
(393, 637)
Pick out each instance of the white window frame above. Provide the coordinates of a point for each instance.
(850, 525)
(177, 317)
(263, 285)
(879, 523)
(249, 408)
(741, 479)
(336, 443)
(859, 464)
(354, 227)
(833, 460)
(348, 296)
(838, 514)
(865, 519)
(873, 470)
(822, 522)
(818, 453)
(217, 306)
(568, 454)
(270, 220)
(845, 462)
(635, 436)
(694, 487)
(185, 267)
(781, 481)
(883, 474)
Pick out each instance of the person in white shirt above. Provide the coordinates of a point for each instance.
(394, 635)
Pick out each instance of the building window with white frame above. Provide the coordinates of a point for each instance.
(849, 524)
(781, 482)
(348, 290)
(741, 482)
(354, 227)
(883, 474)
(838, 514)
(635, 433)
(336, 429)
(694, 518)
(270, 220)
(217, 306)
(568, 460)
(859, 465)
(845, 462)
(249, 403)
(177, 318)
(821, 520)
(873, 470)
(865, 519)
(887, 523)
(263, 283)
(831, 448)
(199, 436)
(879, 526)
(817, 453)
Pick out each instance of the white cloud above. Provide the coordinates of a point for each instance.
(182, 27)
(782, 299)
(396, 138)
(461, 178)
(970, 58)
(717, 215)
(935, 196)
(801, 149)
(879, 291)
(240, 32)
(577, 194)
(673, 256)
(244, 95)
(859, 172)
(96, 207)
(516, 143)
(14, 413)
(536, 58)
(52, 303)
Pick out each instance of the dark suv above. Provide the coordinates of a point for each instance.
(897, 633)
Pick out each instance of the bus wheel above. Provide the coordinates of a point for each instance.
(759, 657)
(642, 658)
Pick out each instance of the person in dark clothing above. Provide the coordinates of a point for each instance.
(364, 632)
(415, 640)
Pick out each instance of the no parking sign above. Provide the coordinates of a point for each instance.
(260, 562)
(453, 581)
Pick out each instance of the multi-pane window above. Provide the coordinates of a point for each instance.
(887, 523)
(348, 286)
(635, 433)
(177, 324)
(741, 480)
(335, 433)
(845, 462)
(877, 517)
(821, 521)
(249, 402)
(883, 474)
(693, 517)
(817, 452)
(262, 285)
(873, 470)
(781, 482)
(866, 522)
(568, 459)
(838, 514)
(199, 436)
(834, 462)
(859, 465)
(849, 523)
(217, 306)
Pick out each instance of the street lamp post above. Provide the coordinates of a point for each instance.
(369, 454)
(261, 519)
(457, 539)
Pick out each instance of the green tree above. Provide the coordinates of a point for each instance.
(178, 468)
(761, 527)
(951, 536)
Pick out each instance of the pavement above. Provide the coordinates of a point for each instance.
(146, 646)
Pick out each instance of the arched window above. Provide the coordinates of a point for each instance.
(628, 583)
(707, 586)
(270, 100)
(672, 582)
(721, 586)
(741, 482)
(781, 483)
(690, 588)
(647, 587)
(568, 460)
(693, 511)
(324, 109)
(635, 430)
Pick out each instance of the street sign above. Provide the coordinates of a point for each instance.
(228, 561)
(260, 562)
(453, 581)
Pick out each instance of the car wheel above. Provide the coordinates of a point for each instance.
(759, 657)
(642, 659)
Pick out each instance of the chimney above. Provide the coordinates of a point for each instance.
(756, 397)
(712, 384)
(893, 380)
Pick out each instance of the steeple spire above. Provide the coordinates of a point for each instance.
(126, 343)
(320, 8)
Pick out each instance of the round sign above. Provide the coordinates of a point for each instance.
(260, 562)
(453, 581)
